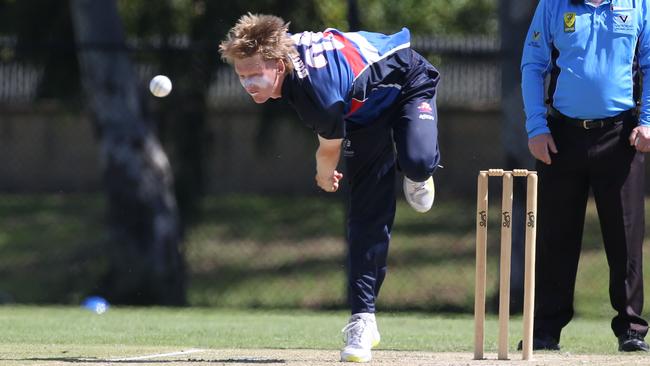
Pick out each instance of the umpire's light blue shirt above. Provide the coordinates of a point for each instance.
(595, 52)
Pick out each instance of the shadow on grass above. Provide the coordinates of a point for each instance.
(49, 245)
(233, 275)
(294, 276)
(267, 218)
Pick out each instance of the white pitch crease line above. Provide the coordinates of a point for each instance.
(157, 355)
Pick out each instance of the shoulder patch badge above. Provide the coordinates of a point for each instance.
(569, 22)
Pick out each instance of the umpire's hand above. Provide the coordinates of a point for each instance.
(640, 138)
(541, 146)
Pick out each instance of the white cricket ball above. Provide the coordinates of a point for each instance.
(160, 86)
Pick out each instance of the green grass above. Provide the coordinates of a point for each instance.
(30, 331)
(49, 246)
(271, 253)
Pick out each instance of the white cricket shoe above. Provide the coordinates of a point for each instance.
(360, 336)
(419, 194)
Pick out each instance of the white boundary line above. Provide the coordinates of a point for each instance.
(157, 355)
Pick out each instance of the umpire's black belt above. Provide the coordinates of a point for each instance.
(589, 124)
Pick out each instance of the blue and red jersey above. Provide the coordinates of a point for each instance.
(346, 77)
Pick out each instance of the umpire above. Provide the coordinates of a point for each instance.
(589, 135)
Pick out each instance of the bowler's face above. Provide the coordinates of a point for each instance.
(258, 77)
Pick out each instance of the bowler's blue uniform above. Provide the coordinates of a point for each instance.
(379, 95)
(593, 56)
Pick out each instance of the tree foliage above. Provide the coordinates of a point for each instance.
(421, 16)
(37, 19)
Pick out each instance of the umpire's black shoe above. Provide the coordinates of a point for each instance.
(632, 341)
(542, 344)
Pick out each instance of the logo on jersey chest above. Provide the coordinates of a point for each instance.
(569, 22)
(623, 21)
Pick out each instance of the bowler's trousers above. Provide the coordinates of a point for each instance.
(406, 134)
(600, 159)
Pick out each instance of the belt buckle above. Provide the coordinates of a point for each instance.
(584, 123)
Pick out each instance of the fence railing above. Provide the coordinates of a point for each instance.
(469, 66)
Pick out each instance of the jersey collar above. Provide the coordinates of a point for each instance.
(587, 2)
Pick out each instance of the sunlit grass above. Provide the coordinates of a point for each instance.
(31, 332)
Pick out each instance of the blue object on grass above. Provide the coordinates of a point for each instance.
(96, 304)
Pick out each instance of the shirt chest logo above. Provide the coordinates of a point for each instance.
(569, 22)
(623, 21)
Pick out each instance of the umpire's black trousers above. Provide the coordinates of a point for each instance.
(602, 160)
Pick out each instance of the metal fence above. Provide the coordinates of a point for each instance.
(469, 65)
(248, 248)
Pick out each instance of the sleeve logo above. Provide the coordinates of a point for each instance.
(536, 35)
(425, 107)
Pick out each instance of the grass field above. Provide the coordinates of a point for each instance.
(33, 335)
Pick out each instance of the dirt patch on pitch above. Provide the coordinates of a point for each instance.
(305, 357)
(389, 358)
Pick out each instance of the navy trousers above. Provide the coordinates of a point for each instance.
(407, 135)
(601, 160)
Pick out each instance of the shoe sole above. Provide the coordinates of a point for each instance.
(633, 349)
(355, 359)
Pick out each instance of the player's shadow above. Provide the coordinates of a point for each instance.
(243, 360)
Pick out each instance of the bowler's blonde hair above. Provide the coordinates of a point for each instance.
(266, 35)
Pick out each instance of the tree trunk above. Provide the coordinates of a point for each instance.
(354, 21)
(146, 264)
